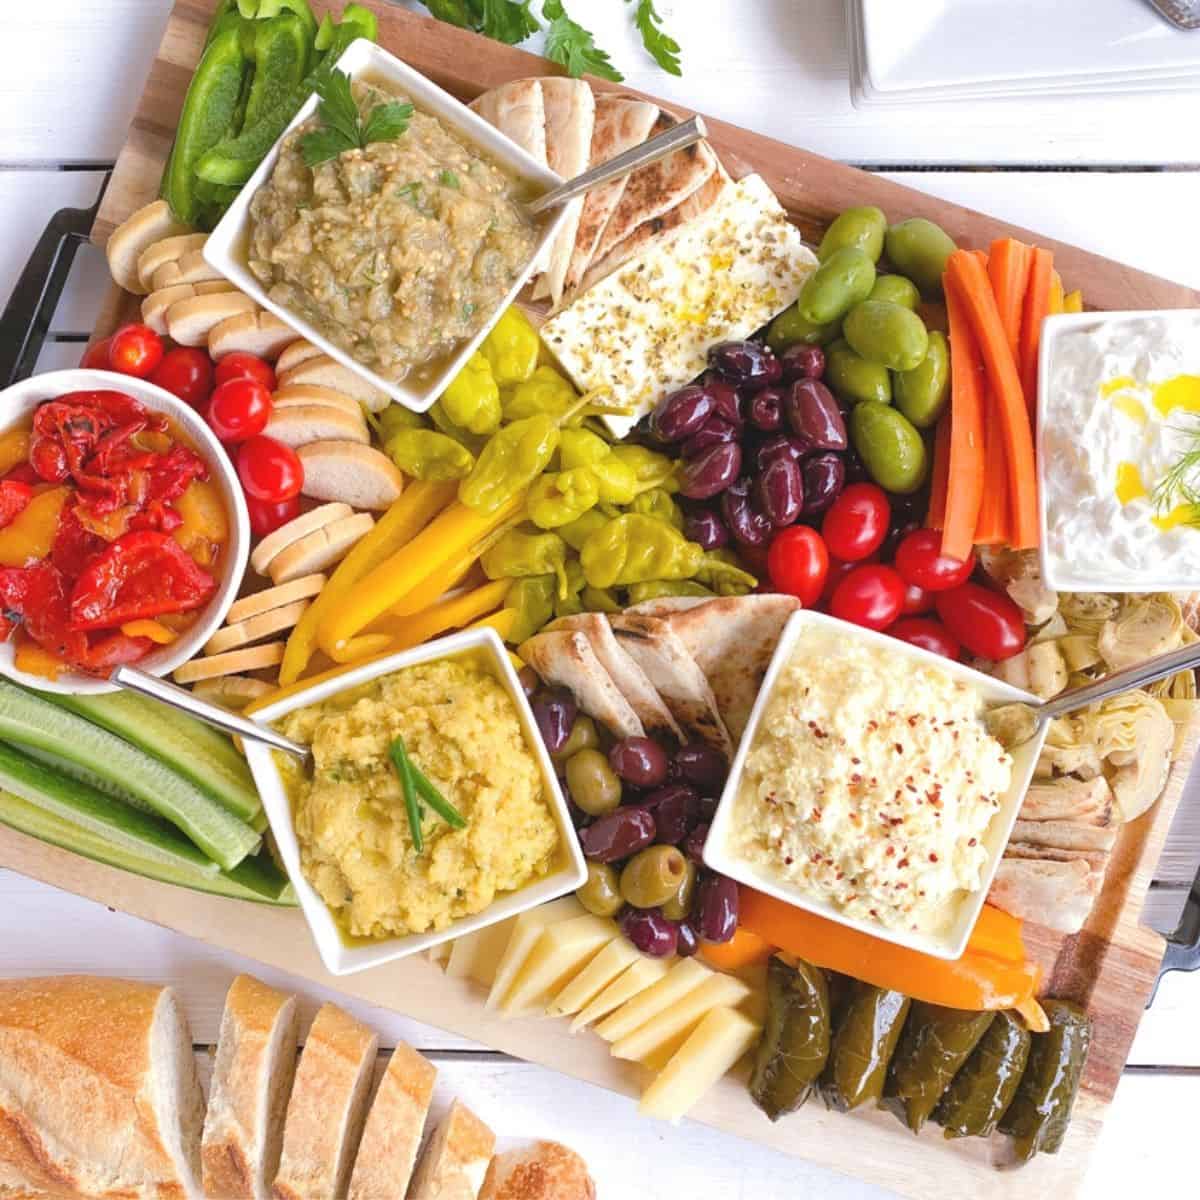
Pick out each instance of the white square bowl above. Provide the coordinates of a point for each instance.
(224, 249)
(952, 941)
(339, 957)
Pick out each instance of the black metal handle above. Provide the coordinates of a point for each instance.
(30, 309)
(1183, 946)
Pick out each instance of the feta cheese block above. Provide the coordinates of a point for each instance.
(645, 329)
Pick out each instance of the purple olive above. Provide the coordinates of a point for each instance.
(675, 814)
(554, 713)
(693, 844)
(706, 528)
(779, 491)
(700, 765)
(747, 524)
(707, 809)
(639, 761)
(711, 472)
(780, 445)
(680, 414)
(854, 468)
(814, 416)
(717, 908)
(765, 410)
(824, 477)
(715, 432)
(649, 931)
(744, 363)
(618, 834)
(529, 681)
(579, 818)
(802, 362)
(726, 398)
(688, 940)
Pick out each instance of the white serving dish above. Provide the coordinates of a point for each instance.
(338, 957)
(18, 401)
(224, 247)
(952, 941)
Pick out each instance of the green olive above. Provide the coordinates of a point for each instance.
(853, 378)
(652, 876)
(918, 248)
(593, 784)
(600, 893)
(790, 327)
(583, 736)
(836, 286)
(891, 449)
(921, 393)
(680, 904)
(895, 289)
(886, 333)
(863, 228)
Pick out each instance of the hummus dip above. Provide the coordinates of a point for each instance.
(461, 728)
(399, 252)
(870, 784)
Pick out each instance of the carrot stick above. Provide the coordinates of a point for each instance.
(743, 950)
(993, 527)
(1037, 308)
(936, 517)
(968, 282)
(1008, 269)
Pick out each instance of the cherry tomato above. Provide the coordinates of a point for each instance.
(857, 522)
(186, 373)
(798, 563)
(95, 357)
(838, 571)
(269, 470)
(869, 595)
(135, 350)
(240, 365)
(267, 516)
(928, 634)
(920, 560)
(987, 623)
(239, 409)
(916, 601)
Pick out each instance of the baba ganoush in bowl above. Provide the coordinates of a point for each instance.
(495, 836)
(867, 788)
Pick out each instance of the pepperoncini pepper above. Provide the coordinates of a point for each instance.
(657, 503)
(545, 391)
(571, 603)
(579, 530)
(616, 480)
(472, 399)
(512, 459)
(427, 454)
(443, 424)
(634, 548)
(655, 589)
(518, 553)
(512, 347)
(599, 600)
(396, 418)
(721, 571)
(652, 470)
(563, 497)
(532, 596)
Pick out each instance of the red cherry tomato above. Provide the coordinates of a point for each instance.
(928, 634)
(857, 522)
(917, 600)
(239, 409)
(798, 563)
(267, 516)
(95, 357)
(987, 623)
(869, 595)
(269, 470)
(838, 571)
(135, 350)
(240, 365)
(186, 373)
(920, 560)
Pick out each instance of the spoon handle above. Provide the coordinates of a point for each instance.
(678, 137)
(134, 680)
(1126, 680)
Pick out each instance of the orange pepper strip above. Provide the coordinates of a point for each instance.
(742, 950)
(997, 933)
(30, 535)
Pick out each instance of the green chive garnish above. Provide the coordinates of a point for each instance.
(436, 800)
(404, 768)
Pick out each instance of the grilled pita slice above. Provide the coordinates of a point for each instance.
(1063, 835)
(566, 658)
(1059, 895)
(1034, 853)
(1080, 801)
(517, 109)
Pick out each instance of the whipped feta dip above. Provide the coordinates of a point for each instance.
(1122, 408)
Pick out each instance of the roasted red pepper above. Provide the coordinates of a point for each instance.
(36, 598)
(14, 496)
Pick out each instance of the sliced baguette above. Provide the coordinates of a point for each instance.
(305, 395)
(188, 268)
(328, 372)
(274, 597)
(320, 550)
(151, 223)
(295, 529)
(165, 250)
(294, 353)
(328, 1105)
(155, 305)
(232, 691)
(190, 321)
(261, 333)
(301, 424)
(543, 1171)
(395, 1124)
(456, 1160)
(257, 658)
(255, 629)
(342, 470)
(252, 1079)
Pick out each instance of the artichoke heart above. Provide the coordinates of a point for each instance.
(1143, 627)
(1088, 612)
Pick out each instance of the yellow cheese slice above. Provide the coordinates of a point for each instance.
(686, 975)
(671, 1026)
(616, 957)
(644, 973)
(526, 930)
(477, 955)
(559, 954)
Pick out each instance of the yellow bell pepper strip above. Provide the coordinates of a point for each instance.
(416, 507)
(30, 535)
(502, 621)
(431, 589)
(366, 645)
(454, 613)
(472, 399)
(1057, 298)
(156, 631)
(14, 449)
(512, 347)
(1073, 302)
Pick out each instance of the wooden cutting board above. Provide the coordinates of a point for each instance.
(1110, 966)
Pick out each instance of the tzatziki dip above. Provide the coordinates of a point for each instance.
(1119, 453)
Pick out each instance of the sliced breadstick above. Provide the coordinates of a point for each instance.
(190, 321)
(244, 633)
(232, 691)
(165, 250)
(307, 423)
(261, 333)
(294, 353)
(320, 550)
(304, 394)
(360, 475)
(255, 659)
(303, 588)
(328, 372)
(285, 535)
(151, 223)
(155, 305)
(191, 268)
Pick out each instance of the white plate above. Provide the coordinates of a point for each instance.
(338, 957)
(952, 941)
(224, 247)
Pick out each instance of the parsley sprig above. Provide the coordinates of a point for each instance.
(343, 129)
(663, 48)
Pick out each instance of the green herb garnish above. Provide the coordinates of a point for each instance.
(343, 128)
(572, 46)
(1179, 485)
(449, 179)
(403, 765)
(468, 311)
(663, 48)
(410, 192)
(435, 799)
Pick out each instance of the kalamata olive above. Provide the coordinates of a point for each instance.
(802, 362)
(529, 681)
(693, 844)
(639, 761)
(618, 835)
(674, 814)
(706, 528)
(725, 396)
(707, 809)
(779, 491)
(715, 432)
(764, 410)
(744, 363)
(687, 940)
(649, 931)
(681, 413)
(745, 522)
(717, 908)
(779, 445)
(814, 416)
(710, 473)
(824, 477)
(554, 712)
(579, 818)
(700, 765)
(854, 468)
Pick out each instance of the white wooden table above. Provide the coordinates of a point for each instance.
(1121, 178)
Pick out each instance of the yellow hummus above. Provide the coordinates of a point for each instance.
(461, 728)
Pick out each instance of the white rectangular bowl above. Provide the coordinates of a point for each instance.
(950, 943)
(223, 250)
(338, 957)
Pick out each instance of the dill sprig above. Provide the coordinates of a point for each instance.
(1181, 482)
